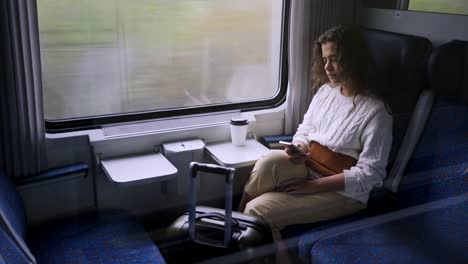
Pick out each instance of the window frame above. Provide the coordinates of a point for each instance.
(97, 122)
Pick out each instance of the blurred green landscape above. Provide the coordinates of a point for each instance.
(113, 56)
(459, 7)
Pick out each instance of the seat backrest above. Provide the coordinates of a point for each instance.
(438, 167)
(400, 63)
(12, 215)
(448, 72)
(9, 251)
(11, 206)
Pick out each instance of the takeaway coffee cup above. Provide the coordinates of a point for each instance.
(239, 130)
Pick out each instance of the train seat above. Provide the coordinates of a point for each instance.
(436, 172)
(92, 238)
(438, 167)
(429, 233)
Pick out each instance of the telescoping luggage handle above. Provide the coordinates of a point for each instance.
(195, 167)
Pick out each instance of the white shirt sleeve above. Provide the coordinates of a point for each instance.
(369, 171)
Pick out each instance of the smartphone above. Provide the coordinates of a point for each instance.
(294, 149)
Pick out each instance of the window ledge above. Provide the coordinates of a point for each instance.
(173, 124)
(169, 124)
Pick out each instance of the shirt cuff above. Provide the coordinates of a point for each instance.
(352, 182)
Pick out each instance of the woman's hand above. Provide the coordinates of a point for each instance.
(298, 157)
(298, 186)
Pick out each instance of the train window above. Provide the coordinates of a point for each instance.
(113, 61)
(459, 7)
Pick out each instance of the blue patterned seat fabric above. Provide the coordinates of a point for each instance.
(12, 223)
(439, 167)
(434, 236)
(9, 252)
(92, 238)
(11, 206)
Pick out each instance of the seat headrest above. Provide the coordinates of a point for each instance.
(400, 62)
(448, 70)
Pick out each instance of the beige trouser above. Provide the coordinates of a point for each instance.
(280, 209)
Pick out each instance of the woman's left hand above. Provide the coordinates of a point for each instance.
(297, 186)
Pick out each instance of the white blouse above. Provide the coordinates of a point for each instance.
(362, 130)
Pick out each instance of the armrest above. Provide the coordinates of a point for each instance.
(271, 142)
(56, 174)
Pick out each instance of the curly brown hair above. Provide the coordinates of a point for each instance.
(352, 55)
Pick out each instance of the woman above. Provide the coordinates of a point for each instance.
(347, 117)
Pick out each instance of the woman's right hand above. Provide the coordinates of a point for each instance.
(298, 157)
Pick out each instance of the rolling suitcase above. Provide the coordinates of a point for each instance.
(212, 231)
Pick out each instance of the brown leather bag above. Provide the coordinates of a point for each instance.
(326, 162)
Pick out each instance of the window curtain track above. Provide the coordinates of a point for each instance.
(22, 133)
(309, 19)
